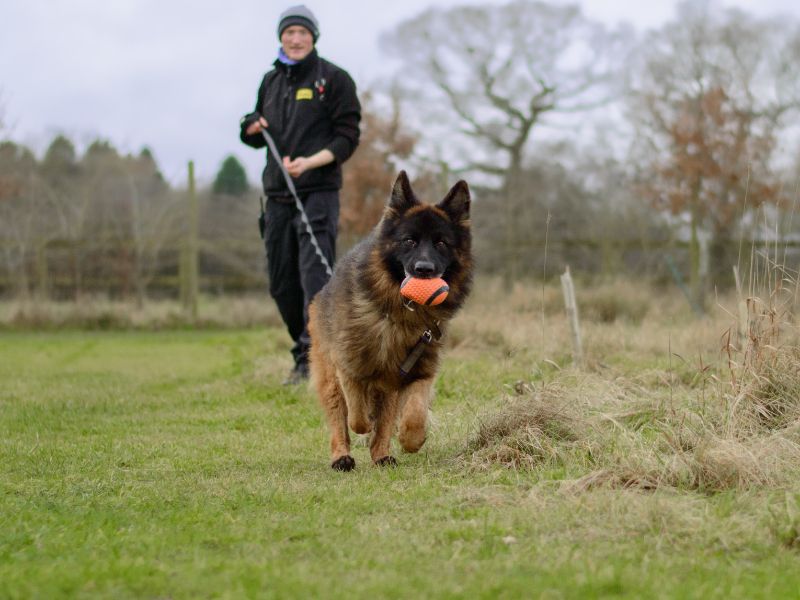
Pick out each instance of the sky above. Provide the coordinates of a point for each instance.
(176, 76)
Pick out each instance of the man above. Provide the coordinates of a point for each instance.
(310, 108)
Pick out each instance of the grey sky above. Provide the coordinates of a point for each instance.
(177, 75)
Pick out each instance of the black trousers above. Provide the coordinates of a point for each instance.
(295, 271)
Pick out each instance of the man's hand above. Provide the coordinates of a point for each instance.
(256, 126)
(301, 164)
(298, 166)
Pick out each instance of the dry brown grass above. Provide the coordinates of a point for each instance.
(527, 434)
(615, 439)
(670, 402)
(103, 314)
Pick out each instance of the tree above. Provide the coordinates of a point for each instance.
(60, 157)
(124, 216)
(147, 159)
(23, 212)
(484, 78)
(710, 94)
(231, 179)
(154, 219)
(499, 70)
(584, 216)
(369, 173)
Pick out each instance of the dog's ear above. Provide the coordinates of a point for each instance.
(456, 202)
(402, 197)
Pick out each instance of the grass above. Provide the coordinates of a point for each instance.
(102, 314)
(172, 464)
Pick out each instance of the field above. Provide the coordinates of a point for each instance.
(170, 463)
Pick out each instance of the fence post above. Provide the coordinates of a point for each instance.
(189, 263)
(743, 320)
(572, 315)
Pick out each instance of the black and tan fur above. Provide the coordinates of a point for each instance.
(361, 332)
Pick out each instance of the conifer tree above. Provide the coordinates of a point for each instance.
(231, 179)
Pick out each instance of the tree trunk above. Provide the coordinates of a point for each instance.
(23, 287)
(42, 272)
(77, 258)
(696, 283)
(511, 192)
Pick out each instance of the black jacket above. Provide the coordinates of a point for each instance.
(308, 106)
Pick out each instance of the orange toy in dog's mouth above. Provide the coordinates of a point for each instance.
(427, 292)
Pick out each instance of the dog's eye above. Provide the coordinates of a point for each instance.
(441, 245)
(410, 242)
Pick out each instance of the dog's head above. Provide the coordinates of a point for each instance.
(425, 240)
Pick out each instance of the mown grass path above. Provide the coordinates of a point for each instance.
(174, 465)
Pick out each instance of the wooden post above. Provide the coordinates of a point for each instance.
(572, 316)
(742, 325)
(189, 279)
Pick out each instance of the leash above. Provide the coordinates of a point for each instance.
(303, 216)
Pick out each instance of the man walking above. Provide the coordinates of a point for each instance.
(309, 107)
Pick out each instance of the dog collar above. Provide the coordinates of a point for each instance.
(428, 336)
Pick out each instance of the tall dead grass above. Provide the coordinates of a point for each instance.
(104, 314)
(764, 358)
(733, 424)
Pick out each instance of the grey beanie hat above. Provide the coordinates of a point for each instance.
(299, 15)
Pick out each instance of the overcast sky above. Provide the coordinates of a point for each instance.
(177, 75)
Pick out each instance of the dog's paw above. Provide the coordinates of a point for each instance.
(386, 461)
(411, 440)
(344, 463)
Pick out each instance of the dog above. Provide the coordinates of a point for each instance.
(374, 355)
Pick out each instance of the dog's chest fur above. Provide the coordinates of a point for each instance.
(382, 337)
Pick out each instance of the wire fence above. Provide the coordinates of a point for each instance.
(114, 268)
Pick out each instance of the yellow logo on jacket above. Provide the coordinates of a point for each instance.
(304, 94)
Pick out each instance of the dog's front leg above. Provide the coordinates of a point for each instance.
(333, 402)
(415, 401)
(385, 421)
(336, 410)
(358, 409)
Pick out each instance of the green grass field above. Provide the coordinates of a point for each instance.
(173, 465)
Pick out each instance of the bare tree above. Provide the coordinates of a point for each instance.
(368, 176)
(709, 97)
(483, 79)
(24, 227)
(123, 216)
(492, 73)
(59, 168)
(154, 219)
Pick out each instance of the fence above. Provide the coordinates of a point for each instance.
(61, 269)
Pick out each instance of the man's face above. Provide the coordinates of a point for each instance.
(297, 42)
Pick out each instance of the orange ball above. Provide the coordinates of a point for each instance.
(428, 292)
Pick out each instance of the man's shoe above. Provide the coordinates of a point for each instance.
(298, 375)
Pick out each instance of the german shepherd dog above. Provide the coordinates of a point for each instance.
(374, 356)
